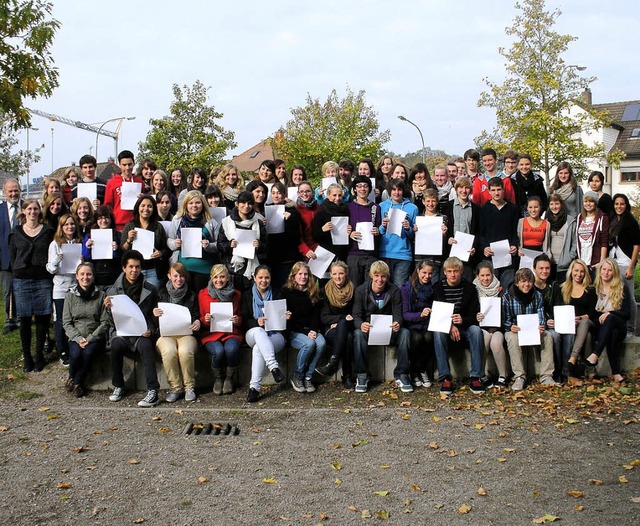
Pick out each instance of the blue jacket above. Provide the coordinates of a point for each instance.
(391, 245)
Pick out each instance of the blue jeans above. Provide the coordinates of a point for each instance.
(473, 336)
(223, 354)
(80, 359)
(62, 343)
(151, 276)
(562, 345)
(399, 339)
(309, 352)
(399, 269)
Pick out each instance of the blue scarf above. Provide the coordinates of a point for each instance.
(258, 301)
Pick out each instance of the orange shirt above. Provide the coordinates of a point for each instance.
(533, 236)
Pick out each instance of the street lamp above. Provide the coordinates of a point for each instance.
(403, 118)
(28, 158)
(52, 151)
(121, 119)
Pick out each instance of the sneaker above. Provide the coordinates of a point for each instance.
(253, 395)
(347, 382)
(298, 385)
(426, 381)
(118, 393)
(64, 360)
(362, 383)
(548, 380)
(477, 386)
(173, 396)
(78, 391)
(308, 385)
(518, 384)
(446, 387)
(486, 381)
(278, 377)
(404, 383)
(502, 382)
(190, 395)
(150, 400)
(417, 381)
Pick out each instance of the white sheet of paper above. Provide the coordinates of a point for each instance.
(320, 265)
(462, 248)
(245, 239)
(491, 308)
(564, 319)
(428, 237)
(292, 193)
(129, 195)
(339, 234)
(269, 200)
(144, 242)
(71, 257)
(501, 257)
(372, 194)
(191, 242)
(440, 319)
(396, 218)
(274, 311)
(218, 213)
(102, 243)
(380, 330)
(529, 333)
(166, 225)
(326, 182)
(275, 218)
(175, 320)
(221, 313)
(526, 261)
(127, 316)
(88, 190)
(366, 242)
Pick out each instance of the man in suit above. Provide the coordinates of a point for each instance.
(9, 211)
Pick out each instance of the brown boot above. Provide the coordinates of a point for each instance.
(230, 381)
(218, 378)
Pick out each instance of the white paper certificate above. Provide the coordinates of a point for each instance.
(529, 333)
(127, 316)
(292, 193)
(564, 319)
(144, 242)
(501, 257)
(191, 242)
(88, 190)
(269, 199)
(380, 329)
(71, 257)
(320, 265)
(245, 239)
(366, 242)
(463, 247)
(166, 225)
(221, 313)
(372, 194)
(396, 218)
(491, 308)
(275, 218)
(218, 213)
(102, 243)
(429, 235)
(274, 312)
(175, 320)
(339, 234)
(440, 319)
(129, 194)
(526, 261)
(326, 182)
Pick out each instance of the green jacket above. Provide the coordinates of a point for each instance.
(85, 318)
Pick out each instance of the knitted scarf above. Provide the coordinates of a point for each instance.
(444, 190)
(556, 221)
(339, 297)
(229, 224)
(133, 290)
(490, 291)
(86, 294)
(565, 191)
(306, 204)
(222, 295)
(177, 295)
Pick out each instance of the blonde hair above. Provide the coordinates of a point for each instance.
(195, 194)
(616, 287)
(330, 164)
(567, 286)
(379, 267)
(218, 269)
(312, 285)
(76, 205)
(221, 178)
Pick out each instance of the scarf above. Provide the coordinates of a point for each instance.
(339, 297)
(133, 290)
(522, 187)
(222, 295)
(565, 191)
(333, 209)
(523, 298)
(444, 191)
(177, 295)
(310, 205)
(557, 221)
(422, 296)
(186, 221)
(86, 294)
(490, 291)
(229, 224)
(258, 301)
(231, 194)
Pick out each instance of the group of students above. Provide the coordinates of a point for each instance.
(572, 231)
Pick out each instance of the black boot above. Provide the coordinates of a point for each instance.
(28, 361)
(331, 367)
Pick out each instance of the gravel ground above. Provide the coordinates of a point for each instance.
(332, 457)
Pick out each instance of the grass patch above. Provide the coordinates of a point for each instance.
(27, 395)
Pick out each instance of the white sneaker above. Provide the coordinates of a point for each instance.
(173, 396)
(118, 393)
(426, 381)
(150, 400)
(518, 384)
(190, 395)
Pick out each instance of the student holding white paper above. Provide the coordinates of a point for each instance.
(105, 270)
(523, 298)
(222, 346)
(113, 190)
(321, 226)
(178, 352)
(430, 204)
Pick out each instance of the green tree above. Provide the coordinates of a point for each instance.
(190, 136)
(26, 64)
(532, 104)
(335, 129)
(13, 163)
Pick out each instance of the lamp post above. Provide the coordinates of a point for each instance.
(403, 118)
(121, 119)
(52, 150)
(29, 158)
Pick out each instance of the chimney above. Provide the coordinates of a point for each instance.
(587, 97)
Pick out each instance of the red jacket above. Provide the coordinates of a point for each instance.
(112, 196)
(480, 191)
(306, 236)
(204, 302)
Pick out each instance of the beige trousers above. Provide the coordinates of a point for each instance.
(178, 360)
(516, 355)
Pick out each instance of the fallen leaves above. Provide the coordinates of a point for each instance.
(381, 493)
(547, 517)
(464, 509)
(63, 485)
(202, 480)
(336, 465)
(270, 480)
(134, 461)
(595, 482)
(482, 492)
(622, 479)
(575, 494)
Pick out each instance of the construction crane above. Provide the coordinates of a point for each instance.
(75, 124)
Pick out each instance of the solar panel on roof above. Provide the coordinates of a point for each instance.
(631, 112)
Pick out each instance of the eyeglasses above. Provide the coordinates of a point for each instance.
(362, 185)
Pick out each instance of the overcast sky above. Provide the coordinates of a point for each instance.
(422, 59)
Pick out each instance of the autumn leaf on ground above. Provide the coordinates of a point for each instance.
(52, 416)
(622, 479)
(479, 426)
(508, 450)
(63, 485)
(324, 517)
(595, 482)
(156, 418)
(270, 480)
(482, 492)
(405, 417)
(385, 466)
(202, 480)
(575, 494)
(351, 507)
(337, 481)
(366, 514)
(382, 493)
(134, 461)
(502, 459)
(164, 430)
(382, 514)
(635, 462)
(81, 449)
(4, 428)
(465, 508)
(433, 445)
(139, 520)
(336, 446)
(547, 517)
(579, 507)
(415, 487)
(336, 465)
(43, 409)
(452, 453)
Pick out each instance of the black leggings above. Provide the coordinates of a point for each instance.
(611, 334)
(42, 328)
(421, 351)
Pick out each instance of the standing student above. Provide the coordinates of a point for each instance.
(230, 183)
(419, 180)
(88, 165)
(82, 211)
(307, 207)
(596, 184)
(533, 231)
(113, 191)
(330, 170)
(383, 175)
(322, 226)
(105, 271)
(430, 207)
(526, 183)
(444, 186)
(481, 187)
(471, 160)
(566, 186)
(562, 237)
(592, 233)
(266, 172)
(145, 171)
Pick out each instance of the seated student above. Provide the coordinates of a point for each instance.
(132, 283)
(523, 298)
(380, 296)
(321, 225)
(417, 298)
(178, 352)
(453, 288)
(488, 286)
(265, 344)
(499, 221)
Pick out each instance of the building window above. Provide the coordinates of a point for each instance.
(631, 176)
